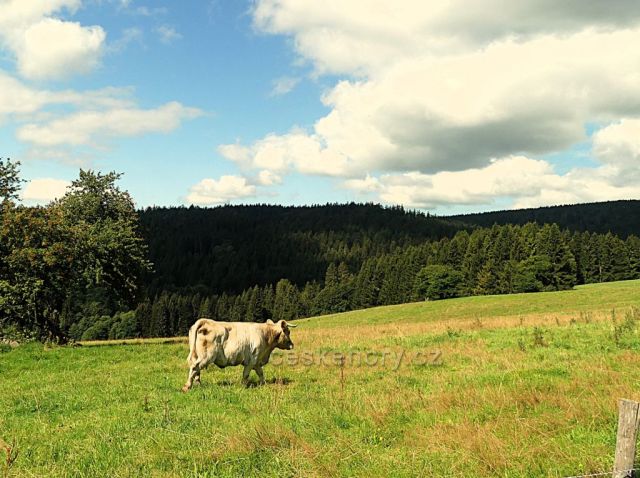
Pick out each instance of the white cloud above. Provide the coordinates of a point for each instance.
(579, 188)
(97, 117)
(47, 47)
(268, 178)
(435, 91)
(369, 184)
(283, 153)
(283, 85)
(459, 111)
(237, 153)
(529, 182)
(167, 34)
(226, 189)
(16, 98)
(365, 36)
(618, 147)
(20, 100)
(43, 190)
(516, 175)
(52, 48)
(25, 12)
(90, 128)
(69, 125)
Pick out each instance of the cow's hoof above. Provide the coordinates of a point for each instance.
(185, 389)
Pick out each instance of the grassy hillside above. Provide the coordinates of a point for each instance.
(522, 385)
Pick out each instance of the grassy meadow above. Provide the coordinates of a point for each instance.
(509, 386)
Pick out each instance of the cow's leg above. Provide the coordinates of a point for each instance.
(197, 368)
(245, 373)
(194, 371)
(260, 373)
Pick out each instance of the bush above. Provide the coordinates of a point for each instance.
(13, 333)
(124, 326)
(99, 330)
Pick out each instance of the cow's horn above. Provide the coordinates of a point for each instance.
(292, 325)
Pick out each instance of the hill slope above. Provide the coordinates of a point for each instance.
(231, 248)
(619, 217)
(601, 298)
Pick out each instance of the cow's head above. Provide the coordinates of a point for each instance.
(283, 334)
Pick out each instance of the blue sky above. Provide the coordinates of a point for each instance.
(438, 105)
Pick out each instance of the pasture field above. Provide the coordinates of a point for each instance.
(499, 386)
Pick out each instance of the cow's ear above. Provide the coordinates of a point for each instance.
(283, 324)
(270, 322)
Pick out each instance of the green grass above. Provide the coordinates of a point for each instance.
(592, 297)
(527, 386)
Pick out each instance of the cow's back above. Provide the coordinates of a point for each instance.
(227, 343)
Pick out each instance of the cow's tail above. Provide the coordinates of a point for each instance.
(193, 334)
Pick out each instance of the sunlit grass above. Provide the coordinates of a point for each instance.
(527, 386)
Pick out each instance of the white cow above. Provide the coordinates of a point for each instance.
(234, 343)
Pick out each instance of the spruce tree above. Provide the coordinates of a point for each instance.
(633, 251)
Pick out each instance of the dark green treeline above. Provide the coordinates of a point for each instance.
(620, 217)
(497, 260)
(230, 248)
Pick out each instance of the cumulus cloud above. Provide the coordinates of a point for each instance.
(457, 112)
(618, 147)
(369, 184)
(88, 128)
(364, 36)
(284, 153)
(96, 118)
(43, 190)
(46, 47)
(530, 181)
(69, 125)
(268, 178)
(450, 102)
(24, 12)
(515, 175)
(219, 191)
(18, 99)
(53, 48)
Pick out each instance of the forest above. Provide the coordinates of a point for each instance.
(619, 217)
(230, 248)
(497, 260)
(91, 266)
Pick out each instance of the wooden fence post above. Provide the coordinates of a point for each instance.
(628, 422)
